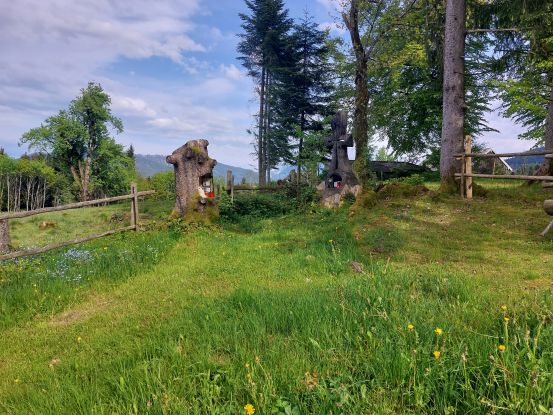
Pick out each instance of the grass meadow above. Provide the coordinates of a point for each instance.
(452, 313)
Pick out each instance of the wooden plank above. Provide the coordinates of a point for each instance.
(547, 229)
(547, 185)
(36, 251)
(523, 154)
(509, 177)
(24, 214)
(468, 167)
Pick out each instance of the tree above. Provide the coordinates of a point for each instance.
(523, 59)
(453, 122)
(263, 49)
(303, 86)
(74, 137)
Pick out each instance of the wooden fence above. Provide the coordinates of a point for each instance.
(4, 226)
(467, 175)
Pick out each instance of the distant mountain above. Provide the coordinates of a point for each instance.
(519, 163)
(148, 164)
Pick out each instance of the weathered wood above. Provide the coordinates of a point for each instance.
(134, 206)
(232, 188)
(4, 236)
(47, 248)
(548, 207)
(547, 185)
(468, 167)
(547, 229)
(523, 154)
(509, 177)
(24, 214)
(192, 166)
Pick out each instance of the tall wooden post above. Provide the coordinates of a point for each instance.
(134, 206)
(4, 237)
(468, 167)
(232, 189)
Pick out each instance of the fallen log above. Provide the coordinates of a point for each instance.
(548, 207)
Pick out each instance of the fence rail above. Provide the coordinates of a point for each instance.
(4, 228)
(467, 175)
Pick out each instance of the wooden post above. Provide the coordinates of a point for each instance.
(232, 188)
(134, 207)
(4, 237)
(468, 167)
(229, 180)
(463, 166)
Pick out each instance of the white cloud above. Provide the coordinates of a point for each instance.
(131, 106)
(232, 72)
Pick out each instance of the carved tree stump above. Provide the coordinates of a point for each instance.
(548, 207)
(192, 168)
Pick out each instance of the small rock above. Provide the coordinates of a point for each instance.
(356, 267)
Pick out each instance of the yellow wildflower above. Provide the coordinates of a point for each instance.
(437, 354)
(250, 410)
(79, 339)
(410, 327)
(502, 347)
(506, 319)
(504, 307)
(439, 331)
(18, 381)
(247, 365)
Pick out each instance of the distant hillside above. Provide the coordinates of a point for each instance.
(519, 163)
(148, 165)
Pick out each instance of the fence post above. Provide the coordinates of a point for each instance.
(468, 167)
(4, 237)
(134, 207)
(232, 189)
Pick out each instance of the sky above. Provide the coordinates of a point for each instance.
(169, 66)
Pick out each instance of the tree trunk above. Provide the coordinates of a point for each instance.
(260, 135)
(268, 129)
(547, 168)
(360, 125)
(453, 122)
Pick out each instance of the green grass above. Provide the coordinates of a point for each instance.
(274, 316)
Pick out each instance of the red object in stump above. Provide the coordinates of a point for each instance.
(210, 195)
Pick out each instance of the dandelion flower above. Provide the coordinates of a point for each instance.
(439, 331)
(502, 347)
(506, 319)
(247, 365)
(437, 354)
(504, 307)
(250, 410)
(79, 339)
(410, 327)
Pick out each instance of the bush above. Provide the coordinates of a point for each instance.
(285, 200)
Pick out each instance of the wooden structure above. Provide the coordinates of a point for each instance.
(467, 175)
(4, 227)
(193, 176)
(341, 180)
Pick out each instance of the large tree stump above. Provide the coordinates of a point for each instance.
(193, 169)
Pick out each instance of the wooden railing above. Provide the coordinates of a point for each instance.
(467, 175)
(4, 227)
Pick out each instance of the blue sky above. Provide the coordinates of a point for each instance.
(170, 67)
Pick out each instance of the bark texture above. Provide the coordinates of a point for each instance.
(453, 122)
(4, 237)
(548, 138)
(192, 165)
(360, 124)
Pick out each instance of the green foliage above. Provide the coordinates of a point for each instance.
(79, 145)
(414, 179)
(286, 200)
(163, 183)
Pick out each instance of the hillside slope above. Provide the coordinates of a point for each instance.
(147, 165)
